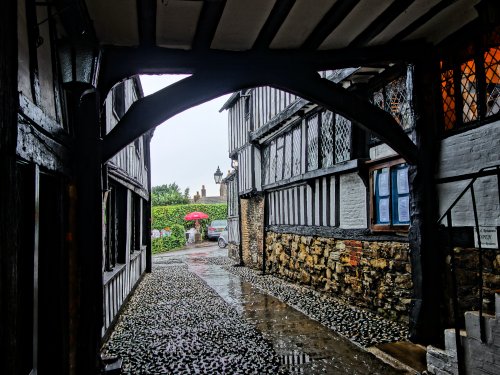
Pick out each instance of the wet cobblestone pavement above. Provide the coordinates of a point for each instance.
(197, 314)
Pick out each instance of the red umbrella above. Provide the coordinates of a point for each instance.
(196, 216)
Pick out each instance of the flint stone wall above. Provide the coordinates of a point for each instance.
(374, 275)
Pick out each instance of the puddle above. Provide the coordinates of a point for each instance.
(304, 345)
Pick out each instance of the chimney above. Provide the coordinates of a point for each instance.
(203, 191)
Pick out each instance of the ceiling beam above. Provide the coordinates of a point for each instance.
(146, 14)
(273, 23)
(118, 63)
(423, 19)
(146, 113)
(329, 23)
(381, 22)
(210, 16)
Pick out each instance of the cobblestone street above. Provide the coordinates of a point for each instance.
(197, 313)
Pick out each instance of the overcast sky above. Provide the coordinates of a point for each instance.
(187, 148)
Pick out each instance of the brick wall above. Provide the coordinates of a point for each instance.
(252, 230)
(375, 275)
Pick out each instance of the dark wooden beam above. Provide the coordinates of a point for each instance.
(381, 22)
(147, 113)
(118, 63)
(10, 214)
(329, 23)
(211, 13)
(431, 13)
(146, 19)
(273, 23)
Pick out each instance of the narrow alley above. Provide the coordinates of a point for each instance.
(197, 313)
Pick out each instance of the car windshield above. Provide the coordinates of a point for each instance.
(219, 223)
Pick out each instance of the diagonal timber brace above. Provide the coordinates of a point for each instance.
(145, 114)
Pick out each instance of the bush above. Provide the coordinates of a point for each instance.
(167, 216)
(176, 240)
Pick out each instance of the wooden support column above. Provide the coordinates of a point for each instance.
(9, 196)
(426, 258)
(88, 180)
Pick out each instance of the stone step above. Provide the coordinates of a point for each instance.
(497, 304)
(472, 325)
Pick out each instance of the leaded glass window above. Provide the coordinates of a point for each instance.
(266, 165)
(279, 158)
(448, 93)
(327, 139)
(297, 150)
(287, 173)
(492, 67)
(312, 143)
(272, 162)
(468, 90)
(342, 139)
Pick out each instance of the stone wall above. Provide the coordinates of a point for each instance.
(374, 275)
(252, 230)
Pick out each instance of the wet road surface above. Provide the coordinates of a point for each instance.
(286, 340)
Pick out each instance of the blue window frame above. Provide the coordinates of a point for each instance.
(390, 197)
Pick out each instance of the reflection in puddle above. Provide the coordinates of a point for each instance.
(304, 345)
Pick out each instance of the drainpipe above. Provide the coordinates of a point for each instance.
(264, 225)
(240, 245)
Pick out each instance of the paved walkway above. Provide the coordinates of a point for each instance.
(195, 313)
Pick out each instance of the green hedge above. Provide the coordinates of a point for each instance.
(176, 240)
(166, 216)
(173, 218)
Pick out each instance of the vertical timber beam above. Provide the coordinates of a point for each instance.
(9, 199)
(425, 256)
(147, 209)
(89, 232)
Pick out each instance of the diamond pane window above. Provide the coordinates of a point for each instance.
(397, 102)
(312, 143)
(266, 166)
(342, 139)
(279, 158)
(287, 173)
(448, 94)
(327, 139)
(378, 99)
(272, 162)
(297, 150)
(468, 90)
(492, 71)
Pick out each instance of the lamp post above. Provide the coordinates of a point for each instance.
(218, 175)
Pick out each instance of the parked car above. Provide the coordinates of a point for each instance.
(222, 241)
(215, 228)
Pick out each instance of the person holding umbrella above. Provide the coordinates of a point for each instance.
(195, 216)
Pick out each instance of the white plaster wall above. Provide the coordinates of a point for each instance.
(381, 151)
(468, 152)
(352, 202)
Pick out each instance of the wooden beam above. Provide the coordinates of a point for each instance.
(10, 214)
(431, 13)
(381, 22)
(147, 113)
(118, 63)
(273, 23)
(211, 13)
(146, 18)
(332, 19)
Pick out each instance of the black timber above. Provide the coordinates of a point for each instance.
(273, 23)
(381, 22)
(10, 215)
(329, 23)
(335, 232)
(210, 15)
(146, 18)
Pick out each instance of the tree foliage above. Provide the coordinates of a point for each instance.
(168, 194)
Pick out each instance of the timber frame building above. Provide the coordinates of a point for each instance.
(402, 115)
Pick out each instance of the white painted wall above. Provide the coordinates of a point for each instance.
(352, 202)
(468, 152)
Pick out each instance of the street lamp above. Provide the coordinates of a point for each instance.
(79, 61)
(218, 175)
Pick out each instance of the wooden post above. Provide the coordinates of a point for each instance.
(88, 231)
(9, 195)
(425, 256)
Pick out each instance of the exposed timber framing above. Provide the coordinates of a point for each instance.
(146, 16)
(118, 63)
(273, 23)
(9, 198)
(211, 12)
(147, 113)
